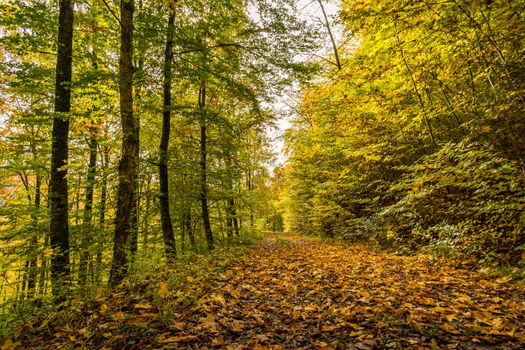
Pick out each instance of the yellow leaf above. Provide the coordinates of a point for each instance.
(119, 316)
(390, 234)
(450, 318)
(107, 335)
(85, 333)
(9, 345)
(190, 279)
(163, 290)
(464, 298)
(504, 279)
(143, 306)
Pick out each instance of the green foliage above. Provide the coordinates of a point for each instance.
(415, 142)
(463, 197)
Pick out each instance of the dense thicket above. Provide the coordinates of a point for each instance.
(419, 138)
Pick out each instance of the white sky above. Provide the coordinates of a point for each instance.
(310, 10)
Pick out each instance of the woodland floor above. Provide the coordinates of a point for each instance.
(294, 293)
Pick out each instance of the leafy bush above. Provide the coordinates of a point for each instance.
(465, 197)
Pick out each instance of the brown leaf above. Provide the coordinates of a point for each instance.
(179, 339)
(329, 328)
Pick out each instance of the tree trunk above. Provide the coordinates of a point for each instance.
(102, 213)
(250, 191)
(204, 190)
(87, 231)
(229, 218)
(128, 161)
(145, 229)
(165, 218)
(135, 206)
(231, 212)
(189, 228)
(334, 46)
(58, 191)
(33, 262)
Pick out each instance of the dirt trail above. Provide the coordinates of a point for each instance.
(293, 293)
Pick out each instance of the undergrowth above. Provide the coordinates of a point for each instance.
(151, 286)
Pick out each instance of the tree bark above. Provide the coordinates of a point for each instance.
(58, 192)
(88, 207)
(102, 211)
(204, 191)
(165, 218)
(135, 209)
(128, 161)
(187, 224)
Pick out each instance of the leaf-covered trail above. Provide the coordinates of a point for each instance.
(298, 293)
(290, 292)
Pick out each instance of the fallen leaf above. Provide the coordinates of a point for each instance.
(179, 339)
(447, 327)
(163, 290)
(328, 328)
(143, 306)
(10, 345)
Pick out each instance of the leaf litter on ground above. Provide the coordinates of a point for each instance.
(290, 292)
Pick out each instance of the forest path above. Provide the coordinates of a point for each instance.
(296, 293)
(290, 292)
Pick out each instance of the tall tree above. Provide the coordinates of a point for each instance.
(204, 184)
(128, 162)
(165, 217)
(58, 192)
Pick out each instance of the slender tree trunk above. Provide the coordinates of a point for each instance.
(164, 199)
(189, 228)
(33, 261)
(334, 46)
(236, 228)
(135, 210)
(230, 202)
(87, 231)
(58, 193)
(145, 230)
(229, 217)
(204, 190)
(128, 162)
(250, 190)
(102, 213)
